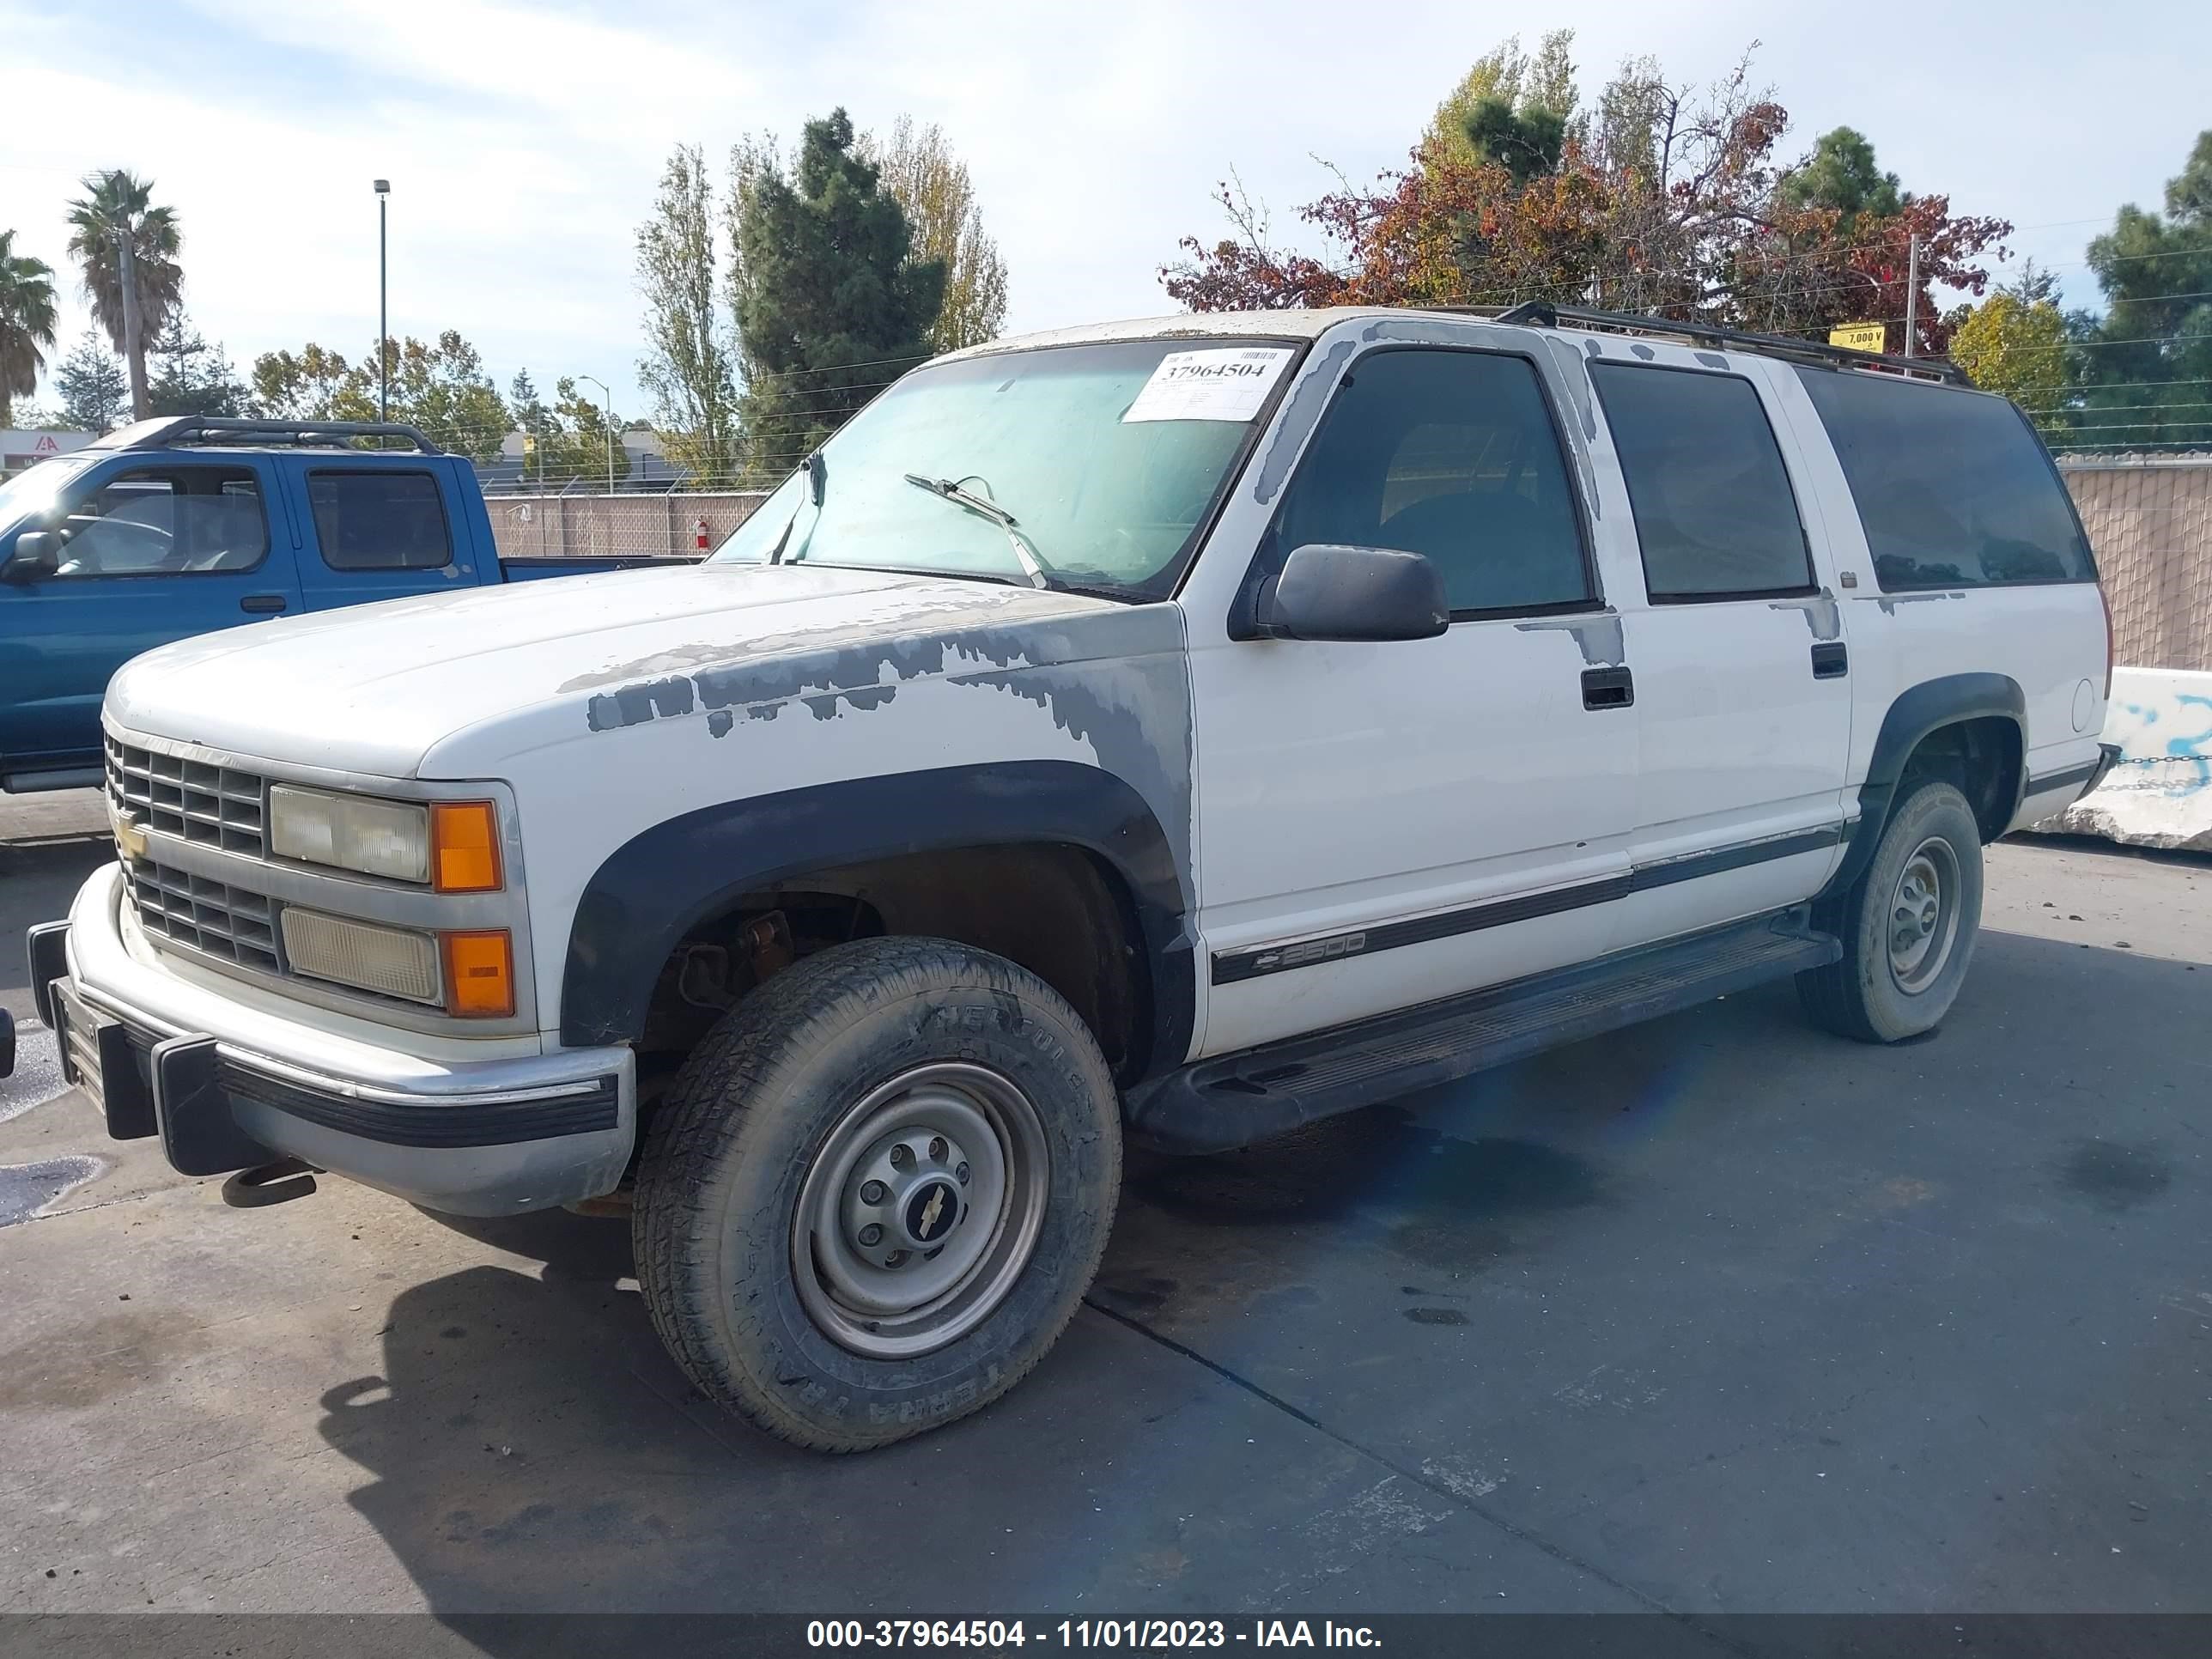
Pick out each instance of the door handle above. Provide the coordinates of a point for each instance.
(1831, 661)
(262, 604)
(1608, 688)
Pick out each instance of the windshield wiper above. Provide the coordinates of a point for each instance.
(950, 489)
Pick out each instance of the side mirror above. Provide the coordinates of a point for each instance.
(37, 553)
(1328, 592)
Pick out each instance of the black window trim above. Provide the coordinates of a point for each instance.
(260, 497)
(437, 487)
(1267, 560)
(2042, 448)
(1810, 588)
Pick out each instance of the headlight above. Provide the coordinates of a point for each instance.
(351, 832)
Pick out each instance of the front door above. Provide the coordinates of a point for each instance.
(1384, 825)
(155, 550)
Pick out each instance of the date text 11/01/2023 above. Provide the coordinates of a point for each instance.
(990, 1634)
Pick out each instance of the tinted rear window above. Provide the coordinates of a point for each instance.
(1953, 487)
(1715, 516)
(379, 521)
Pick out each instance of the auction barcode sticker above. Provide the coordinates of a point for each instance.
(1223, 384)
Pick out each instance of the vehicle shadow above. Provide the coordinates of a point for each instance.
(529, 1446)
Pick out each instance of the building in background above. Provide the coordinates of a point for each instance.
(21, 449)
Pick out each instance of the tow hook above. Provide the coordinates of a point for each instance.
(280, 1183)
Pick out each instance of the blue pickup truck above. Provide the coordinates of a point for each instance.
(180, 526)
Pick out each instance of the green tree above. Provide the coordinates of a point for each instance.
(2017, 347)
(27, 322)
(1842, 174)
(2143, 370)
(567, 441)
(832, 304)
(1514, 84)
(932, 185)
(689, 367)
(95, 394)
(188, 376)
(312, 385)
(116, 209)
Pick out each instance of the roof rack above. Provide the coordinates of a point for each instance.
(1543, 314)
(181, 431)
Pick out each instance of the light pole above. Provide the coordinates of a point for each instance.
(383, 311)
(607, 419)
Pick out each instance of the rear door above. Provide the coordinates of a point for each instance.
(1743, 670)
(156, 548)
(383, 530)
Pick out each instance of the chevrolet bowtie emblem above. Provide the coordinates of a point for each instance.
(930, 1211)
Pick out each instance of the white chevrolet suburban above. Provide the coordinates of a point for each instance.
(1177, 731)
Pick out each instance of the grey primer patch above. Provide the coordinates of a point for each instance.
(1711, 359)
(1823, 615)
(1599, 638)
(720, 722)
(1583, 428)
(633, 705)
(1120, 681)
(27, 1188)
(1297, 419)
(1889, 602)
(1591, 348)
(1642, 350)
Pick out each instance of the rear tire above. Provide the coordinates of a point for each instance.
(1908, 925)
(877, 1192)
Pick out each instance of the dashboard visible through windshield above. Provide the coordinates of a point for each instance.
(1102, 461)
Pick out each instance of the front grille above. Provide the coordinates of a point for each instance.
(215, 805)
(226, 922)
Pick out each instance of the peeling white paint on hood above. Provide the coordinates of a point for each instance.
(374, 688)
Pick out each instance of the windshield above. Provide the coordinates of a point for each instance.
(1108, 458)
(34, 490)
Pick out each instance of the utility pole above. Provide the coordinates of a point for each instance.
(134, 346)
(383, 311)
(607, 420)
(1912, 300)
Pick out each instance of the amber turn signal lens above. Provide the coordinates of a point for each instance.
(479, 975)
(464, 847)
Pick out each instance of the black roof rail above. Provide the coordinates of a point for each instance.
(1542, 313)
(182, 431)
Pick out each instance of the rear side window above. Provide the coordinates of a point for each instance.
(379, 521)
(1714, 514)
(1953, 487)
(1453, 455)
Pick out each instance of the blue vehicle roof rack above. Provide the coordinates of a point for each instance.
(196, 431)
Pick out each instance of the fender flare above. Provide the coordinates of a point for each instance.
(1914, 714)
(662, 882)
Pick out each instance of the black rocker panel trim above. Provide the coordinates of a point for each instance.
(1231, 968)
(661, 883)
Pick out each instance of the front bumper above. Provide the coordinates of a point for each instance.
(228, 1085)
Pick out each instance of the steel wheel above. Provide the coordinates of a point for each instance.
(920, 1210)
(1923, 914)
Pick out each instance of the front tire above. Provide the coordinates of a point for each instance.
(1908, 925)
(878, 1191)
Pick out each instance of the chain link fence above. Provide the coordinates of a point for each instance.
(632, 524)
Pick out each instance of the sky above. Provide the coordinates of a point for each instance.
(523, 141)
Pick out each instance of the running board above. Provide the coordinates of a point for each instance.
(1237, 1099)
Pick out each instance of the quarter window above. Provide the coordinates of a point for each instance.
(1954, 488)
(379, 521)
(176, 521)
(1453, 455)
(1715, 516)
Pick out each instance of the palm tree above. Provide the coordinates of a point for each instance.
(27, 322)
(118, 208)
